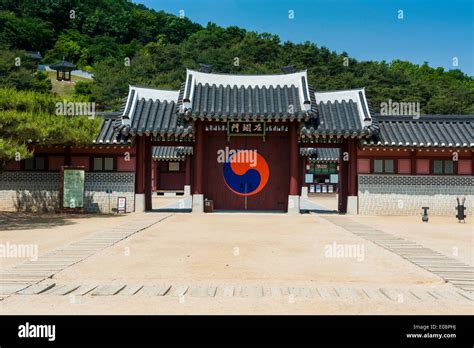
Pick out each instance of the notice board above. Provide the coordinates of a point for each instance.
(72, 180)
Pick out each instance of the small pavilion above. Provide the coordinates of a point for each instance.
(63, 70)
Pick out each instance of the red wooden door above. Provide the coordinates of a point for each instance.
(273, 195)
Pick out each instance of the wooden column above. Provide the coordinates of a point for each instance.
(187, 175)
(67, 156)
(140, 165)
(293, 159)
(198, 158)
(413, 162)
(303, 171)
(472, 162)
(353, 167)
(343, 176)
(148, 169)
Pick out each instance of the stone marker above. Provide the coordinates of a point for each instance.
(251, 291)
(180, 290)
(65, 290)
(107, 290)
(324, 292)
(229, 291)
(84, 289)
(36, 289)
(131, 290)
(8, 289)
(276, 291)
(199, 291)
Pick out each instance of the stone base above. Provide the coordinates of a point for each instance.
(352, 203)
(187, 190)
(304, 192)
(293, 204)
(139, 202)
(198, 203)
(169, 194)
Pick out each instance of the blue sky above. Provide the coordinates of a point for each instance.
(434, 31)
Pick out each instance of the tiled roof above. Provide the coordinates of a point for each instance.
(340, 113)
(262, 97)
(154, 112)
(108, 134)
(455, 131)
(34, 55)
(63, 65)
(320, 154)
(171, 153)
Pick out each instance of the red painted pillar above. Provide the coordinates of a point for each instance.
(148, 169)
(303, 171)
(187, 175)
(353, 167)
(153, 175)
(293, 159)
(67, 156)
(413, 162)
(140, 165)
(343, 176)
(198, 158)
(472, 163)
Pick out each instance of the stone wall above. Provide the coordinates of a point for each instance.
(39, 191)
(406, 194)
(122, 184)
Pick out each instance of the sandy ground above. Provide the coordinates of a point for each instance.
(228, 247)
(240, 249)
(327, 200)
(443, 234)
(50, 231)
(44, 304)
(162, 201)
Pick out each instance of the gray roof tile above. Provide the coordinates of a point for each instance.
(154, 112)
(108, 134)
(320, 154)
(171, 153)
(427, 131)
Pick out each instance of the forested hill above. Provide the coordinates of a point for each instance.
(101, 36)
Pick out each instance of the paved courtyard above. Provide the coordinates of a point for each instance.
(238, 263)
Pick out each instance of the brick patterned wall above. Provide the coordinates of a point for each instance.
(39, 191)
(29, 191)
(121, 184)
(406, 194)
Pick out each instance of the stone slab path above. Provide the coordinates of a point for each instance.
(453, 271)
(23, 275)
(329, 293)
